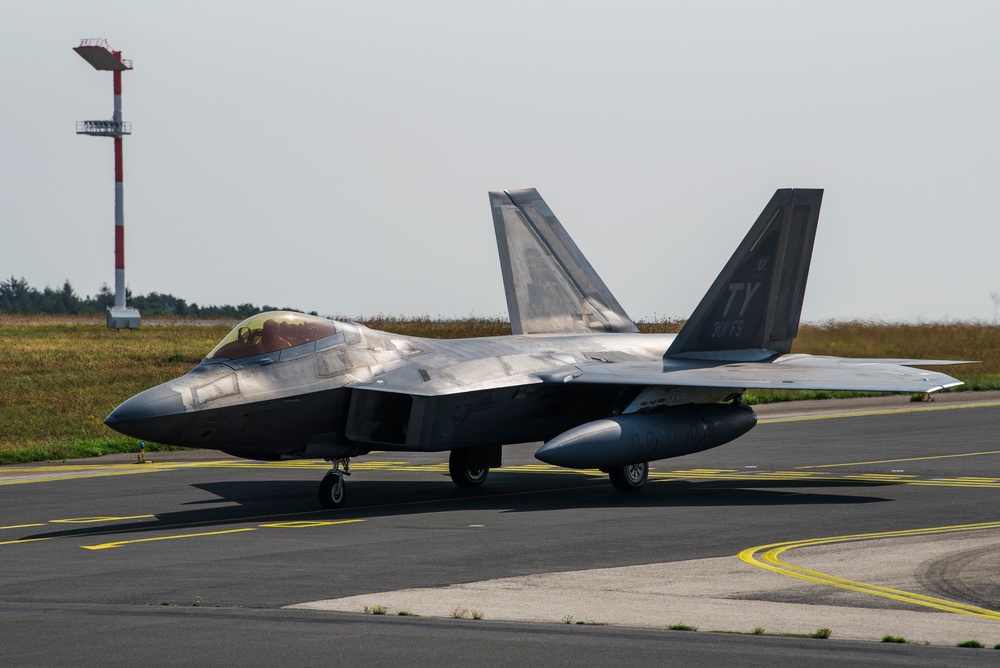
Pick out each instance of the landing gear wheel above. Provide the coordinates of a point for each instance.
(629, 478)
(464, 470)
(332, 491)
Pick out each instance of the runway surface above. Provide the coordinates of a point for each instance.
(195, 557)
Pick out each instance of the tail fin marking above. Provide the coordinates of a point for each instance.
(754, 306)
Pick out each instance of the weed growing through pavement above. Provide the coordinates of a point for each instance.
(682, 627)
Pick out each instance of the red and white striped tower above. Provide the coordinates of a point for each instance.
(101, 57)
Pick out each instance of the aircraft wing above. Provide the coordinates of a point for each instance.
(789, 372)
(429, 376)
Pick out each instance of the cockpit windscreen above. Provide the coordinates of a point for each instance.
(269, 332)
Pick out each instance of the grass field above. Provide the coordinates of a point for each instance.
(60, 376)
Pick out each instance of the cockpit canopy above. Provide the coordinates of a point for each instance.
(269, 332)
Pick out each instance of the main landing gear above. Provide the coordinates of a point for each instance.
(629, 478)
(469, 467)
(465, 471)
(333, 489)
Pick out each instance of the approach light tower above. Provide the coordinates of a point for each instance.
(99, 54)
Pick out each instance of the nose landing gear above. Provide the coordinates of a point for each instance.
(333, 489)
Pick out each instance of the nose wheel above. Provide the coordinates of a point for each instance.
(333, 488)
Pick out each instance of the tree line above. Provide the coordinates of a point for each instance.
(16, 296)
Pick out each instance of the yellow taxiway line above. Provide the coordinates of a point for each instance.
(902, 459)
(272, 525)
(767, 557)
(76, 473)
(741, 475)
(122, 543)
(886, 411)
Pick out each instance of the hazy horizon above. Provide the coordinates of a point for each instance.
(336, 157)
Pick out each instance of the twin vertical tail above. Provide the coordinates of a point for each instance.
(551, 287)
(752, 310)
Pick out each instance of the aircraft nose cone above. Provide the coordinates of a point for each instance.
(148, 415)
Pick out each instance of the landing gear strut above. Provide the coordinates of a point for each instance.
(629, 478)
(333, 489)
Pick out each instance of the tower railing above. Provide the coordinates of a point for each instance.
(104, 128)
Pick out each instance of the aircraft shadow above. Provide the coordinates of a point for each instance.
(270, 501)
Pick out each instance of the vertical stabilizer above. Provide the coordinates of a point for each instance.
(551, 288)
(753, 308)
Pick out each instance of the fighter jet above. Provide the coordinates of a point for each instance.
(575, 375)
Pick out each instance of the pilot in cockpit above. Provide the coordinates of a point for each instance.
(273, 338)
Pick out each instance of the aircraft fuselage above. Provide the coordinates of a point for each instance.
(296, 402)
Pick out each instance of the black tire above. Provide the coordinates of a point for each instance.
(332, 491)
(464, 471)
(629, 478)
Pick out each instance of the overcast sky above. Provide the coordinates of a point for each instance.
(336, 156)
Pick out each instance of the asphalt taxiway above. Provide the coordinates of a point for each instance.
(879, 523)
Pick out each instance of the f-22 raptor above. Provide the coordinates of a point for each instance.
(576, 374)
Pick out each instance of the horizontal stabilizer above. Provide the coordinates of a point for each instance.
(551, 287)
(789, 372)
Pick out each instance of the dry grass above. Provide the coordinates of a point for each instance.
(60, 376)
(438, 328)
(950, 341)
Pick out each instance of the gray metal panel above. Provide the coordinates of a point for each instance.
(550, 286)
(102, 58)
